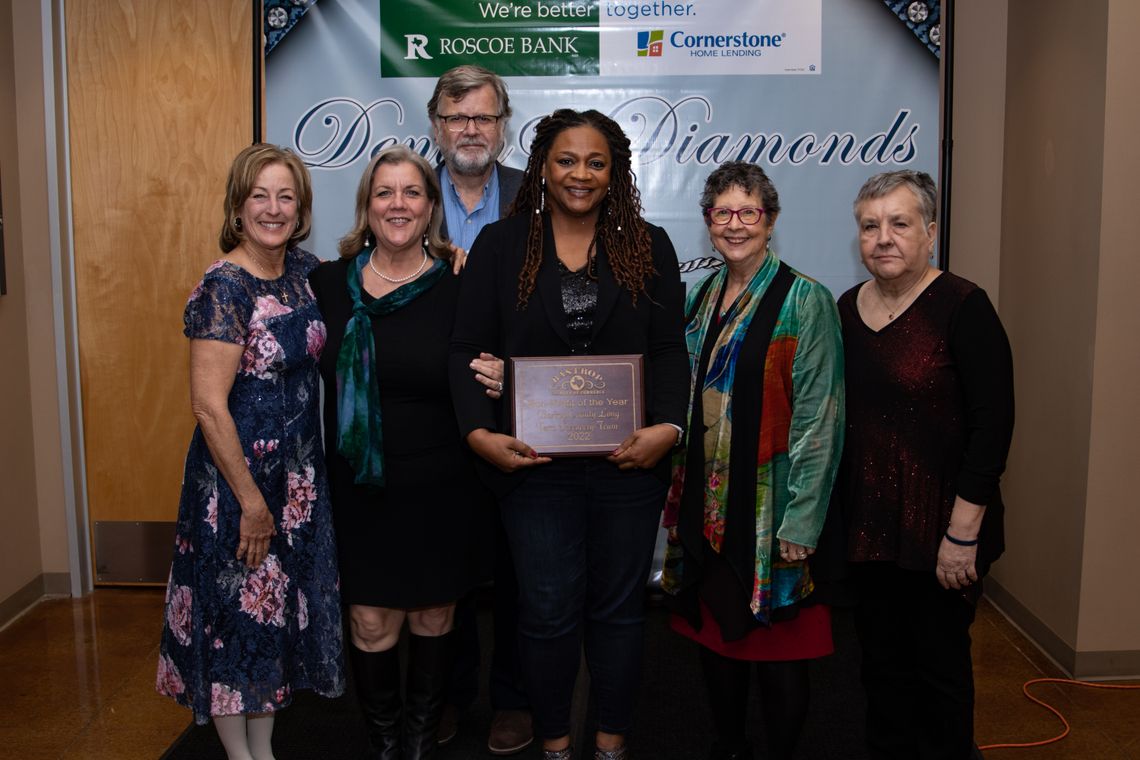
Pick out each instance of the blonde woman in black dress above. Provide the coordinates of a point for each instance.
(412, 521)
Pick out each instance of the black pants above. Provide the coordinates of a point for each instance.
(917, 670)
(506, 688)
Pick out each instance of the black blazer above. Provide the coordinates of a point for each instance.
(510, 180)
(487, 319)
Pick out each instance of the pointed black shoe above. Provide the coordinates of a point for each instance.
(737, 752)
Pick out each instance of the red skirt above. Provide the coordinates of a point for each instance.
(804, 637)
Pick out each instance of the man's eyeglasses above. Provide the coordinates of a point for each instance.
(457, 122)
(721, 215)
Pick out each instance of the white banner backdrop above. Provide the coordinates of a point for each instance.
(820, 93)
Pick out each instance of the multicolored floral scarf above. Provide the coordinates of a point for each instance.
(359, 433)
(716, 399)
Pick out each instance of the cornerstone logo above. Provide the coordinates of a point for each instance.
(651, 43)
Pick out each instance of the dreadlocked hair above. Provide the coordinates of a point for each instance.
(620, 227)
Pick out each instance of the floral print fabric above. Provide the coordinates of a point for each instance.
(237, 640)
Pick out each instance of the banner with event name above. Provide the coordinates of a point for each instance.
(821, 93)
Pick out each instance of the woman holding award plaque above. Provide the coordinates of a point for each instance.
(752, 482)
(576, 275)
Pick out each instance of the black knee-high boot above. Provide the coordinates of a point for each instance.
(377, 676)
(727, 682)
(429, 669)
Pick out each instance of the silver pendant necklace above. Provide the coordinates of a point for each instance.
(904, 302)
(265, 274)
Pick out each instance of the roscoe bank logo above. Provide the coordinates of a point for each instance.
(541, 44)
(651, 43)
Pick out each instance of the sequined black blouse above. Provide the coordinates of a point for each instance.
(929, 417)
(579, 300)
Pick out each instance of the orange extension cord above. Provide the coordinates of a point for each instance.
(1055, 711)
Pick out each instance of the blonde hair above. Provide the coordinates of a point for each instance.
(239, 184)
(354, 241)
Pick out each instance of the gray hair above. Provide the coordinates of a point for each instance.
(457, 82)
(353, 242)
(919, 183)
(748, 177)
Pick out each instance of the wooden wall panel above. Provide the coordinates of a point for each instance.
(159, 103)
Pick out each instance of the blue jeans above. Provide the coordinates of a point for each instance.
(582, 534)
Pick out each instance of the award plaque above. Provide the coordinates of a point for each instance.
(577, 405)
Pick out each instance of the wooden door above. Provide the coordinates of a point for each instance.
(159, 102)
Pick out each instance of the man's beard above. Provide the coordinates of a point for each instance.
(468, 164)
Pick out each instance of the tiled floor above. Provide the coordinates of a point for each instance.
(76, 682)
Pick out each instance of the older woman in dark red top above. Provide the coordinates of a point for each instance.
(929, 421)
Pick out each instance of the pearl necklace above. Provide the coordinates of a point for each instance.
(395, 280)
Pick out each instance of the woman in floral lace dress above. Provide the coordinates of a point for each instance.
(252, 606)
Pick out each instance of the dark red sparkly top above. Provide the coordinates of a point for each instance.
(929, 417)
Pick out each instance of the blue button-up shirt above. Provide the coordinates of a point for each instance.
(463, 227)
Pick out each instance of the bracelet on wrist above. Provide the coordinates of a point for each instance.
(960, 542)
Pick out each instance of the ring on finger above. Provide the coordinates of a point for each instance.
(500, 388)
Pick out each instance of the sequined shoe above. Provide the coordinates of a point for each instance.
(558, 754)
(619, 753)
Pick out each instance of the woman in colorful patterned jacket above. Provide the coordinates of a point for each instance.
(751, 484)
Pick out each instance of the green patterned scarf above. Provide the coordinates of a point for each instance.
(359, 437)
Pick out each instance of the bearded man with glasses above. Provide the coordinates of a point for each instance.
(469, 111)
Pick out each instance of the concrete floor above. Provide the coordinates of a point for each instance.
(77, 682)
